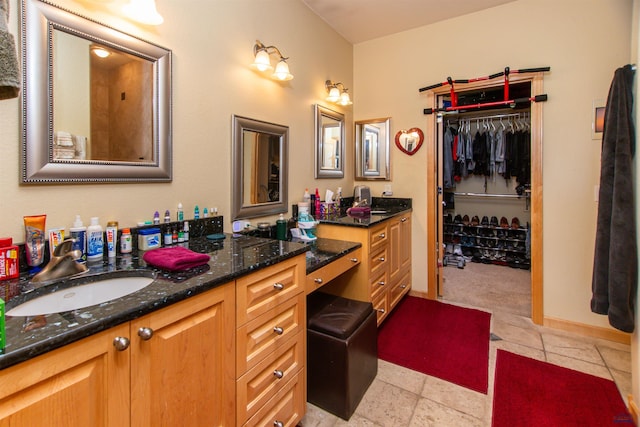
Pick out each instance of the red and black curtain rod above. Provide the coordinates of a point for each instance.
(506, 101)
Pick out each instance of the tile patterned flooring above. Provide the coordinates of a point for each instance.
(402, 397)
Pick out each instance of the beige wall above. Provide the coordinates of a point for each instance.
(212, 44)
(583, 42)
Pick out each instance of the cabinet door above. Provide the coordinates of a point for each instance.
(395, 242)
(405, 242)
(183, 375)
(82, 384)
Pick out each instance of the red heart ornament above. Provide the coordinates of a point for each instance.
(409, 141)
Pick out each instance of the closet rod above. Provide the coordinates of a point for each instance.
(474, 116)
(506, 196)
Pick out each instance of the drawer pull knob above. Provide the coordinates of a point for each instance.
(278, 286)
(403, 286)
(382, 235)
(381, 283)
(354, 260)
(278, 424)
(403, 219)
(278, 330)
(381, 310)
(278, 373)
(145, 333)
(381, 259)
(121, 343)
(318, 280)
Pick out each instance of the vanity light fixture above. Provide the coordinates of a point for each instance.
(143, 11)
(336, 95)
(262, 61)
(100, 52)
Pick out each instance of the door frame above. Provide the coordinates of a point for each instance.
(434, 198)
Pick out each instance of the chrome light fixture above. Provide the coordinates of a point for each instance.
(143, 11)
(262, 62)
(336, 95)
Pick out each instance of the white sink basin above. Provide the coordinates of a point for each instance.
(81, 295)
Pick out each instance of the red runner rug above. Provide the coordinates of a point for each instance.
(441, 340)
(528, 392)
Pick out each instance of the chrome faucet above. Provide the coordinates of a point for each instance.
(62, 264)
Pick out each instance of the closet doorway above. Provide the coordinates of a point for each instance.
(447, 231)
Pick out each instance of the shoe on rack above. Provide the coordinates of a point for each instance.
(515, 223)
(485, 221)
(465, 220)
(504, 222)
(449, 248)
(494, 221)
(457, 250)
(448, 219)
(457, 219)
(475, 221)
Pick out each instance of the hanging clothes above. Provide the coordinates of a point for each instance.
(615, 266)
(447, 154)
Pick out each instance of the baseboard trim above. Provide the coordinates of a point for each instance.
(633, 409)
(418, 294)
(588, 330)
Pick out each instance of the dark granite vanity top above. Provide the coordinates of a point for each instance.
(235, 256)
(382, 209)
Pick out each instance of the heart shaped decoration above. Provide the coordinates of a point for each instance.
(409, 141)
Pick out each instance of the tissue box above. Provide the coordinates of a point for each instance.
(2, 330)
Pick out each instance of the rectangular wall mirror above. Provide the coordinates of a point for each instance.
(88, 118)
(259, 168)
(372, 149)
(330, 143)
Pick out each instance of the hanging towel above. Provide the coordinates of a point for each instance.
(615, 267)
(175, 258)
(9, 69)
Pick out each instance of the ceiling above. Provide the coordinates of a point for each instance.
(362, 20)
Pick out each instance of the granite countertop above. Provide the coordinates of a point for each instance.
(382, 209)
(235, 256)
(324, 251)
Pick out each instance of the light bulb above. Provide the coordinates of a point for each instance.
(282, 71)
(344, 98)
(100, 52)
(262, 61)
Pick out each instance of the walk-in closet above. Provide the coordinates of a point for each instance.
(484, 191)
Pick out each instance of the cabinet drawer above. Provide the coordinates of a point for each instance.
(269, 332)
(265, 289)
(379, 284)
(285, 408)
(399, 289)
(379, 261)
(265, 379)
(381, 306)
(329, 272)
(378, 236)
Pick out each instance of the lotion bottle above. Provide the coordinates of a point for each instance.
(95, 240)
(79, 234)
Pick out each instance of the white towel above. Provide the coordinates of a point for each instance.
(80, 143)
(9, 68)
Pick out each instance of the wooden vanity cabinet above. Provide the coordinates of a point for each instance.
(179, 370)
(271, 345)
(384, 275)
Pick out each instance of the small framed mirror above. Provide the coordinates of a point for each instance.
(330, 142)
(372, 149)
(259, 168)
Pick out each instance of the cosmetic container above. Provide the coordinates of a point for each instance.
(148, 238)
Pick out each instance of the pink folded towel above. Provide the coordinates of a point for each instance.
(175, 258)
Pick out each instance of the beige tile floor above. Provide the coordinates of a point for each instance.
(402, 397)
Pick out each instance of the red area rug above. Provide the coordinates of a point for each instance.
(528, 392)
(441, 340)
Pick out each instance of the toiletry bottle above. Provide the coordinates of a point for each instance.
(339, 201)
(196, 212)
(95, 240)
(180, 235)
(79, 235)
(205, 213)
(306, 197)
(126, 245)
(281, 228)
(168, 236)
(167, 216)
(214, 211)
(174, 235)
(317, 202)
(112, 238)
(180, 215)
(156, 218)
(185, 230)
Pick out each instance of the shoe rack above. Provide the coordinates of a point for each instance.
(487, 241)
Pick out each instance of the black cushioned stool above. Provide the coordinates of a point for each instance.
(342, 352)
